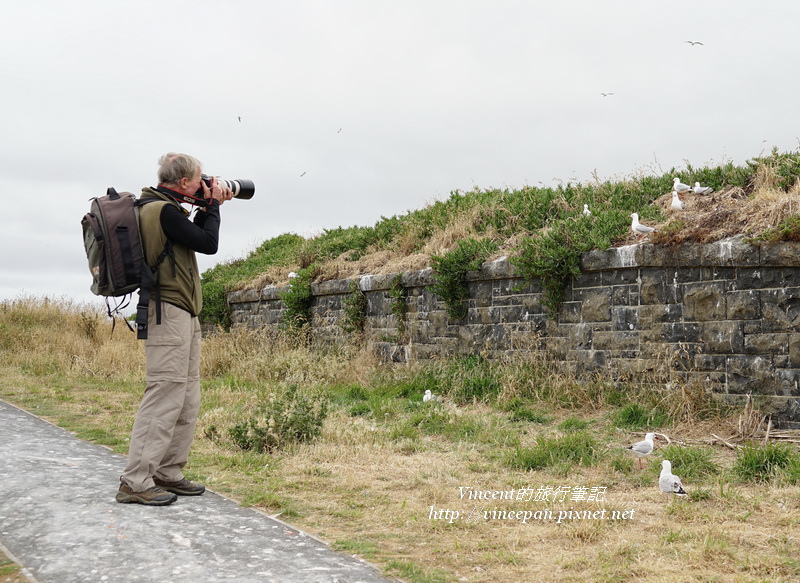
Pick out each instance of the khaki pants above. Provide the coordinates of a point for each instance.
(164, 426)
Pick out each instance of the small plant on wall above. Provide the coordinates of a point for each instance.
(450, 272)
(355, 309)
(297, 299)
(399, 305)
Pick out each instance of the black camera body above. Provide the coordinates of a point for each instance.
(244, 189)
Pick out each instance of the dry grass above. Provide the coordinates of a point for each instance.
(369, 486)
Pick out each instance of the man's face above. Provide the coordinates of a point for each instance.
(190, 187)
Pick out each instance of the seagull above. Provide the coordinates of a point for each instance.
(669, 483)
(606, 94)
(642, 448)
(677, 203)
(694, 42)
(429, 396)
(239, 117)
(702, 189)
(340, 129)
(303, 174)
(292, 275)
(638, 228)
(586, 211)
(679, 186)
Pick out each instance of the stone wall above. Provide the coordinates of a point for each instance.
(725, 315)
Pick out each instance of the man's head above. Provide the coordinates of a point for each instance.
(180, 172)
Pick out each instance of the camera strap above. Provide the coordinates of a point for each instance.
(178, 197)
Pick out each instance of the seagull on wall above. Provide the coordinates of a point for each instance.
(639, 229)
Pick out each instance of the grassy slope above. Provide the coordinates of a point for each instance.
(541, 229)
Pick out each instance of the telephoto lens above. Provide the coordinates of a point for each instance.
(244, 189)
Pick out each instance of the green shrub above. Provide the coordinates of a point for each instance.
(693, 463)
(290, 417)
(399, 304)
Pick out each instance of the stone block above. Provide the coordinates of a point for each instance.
(625, 318)
(743, 305)
(704, 301)
(770, 343)
(734, 251)
(723, 337)
(608, 341)
(595, 304)
(751, 374)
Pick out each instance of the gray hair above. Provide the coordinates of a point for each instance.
(172, 167)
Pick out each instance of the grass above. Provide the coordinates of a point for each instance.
(384, 460)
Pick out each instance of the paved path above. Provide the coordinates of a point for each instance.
(59, 519)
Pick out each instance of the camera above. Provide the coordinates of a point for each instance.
(244, 189)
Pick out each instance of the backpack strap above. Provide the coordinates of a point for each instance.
(150, 281)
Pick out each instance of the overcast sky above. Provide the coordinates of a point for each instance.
(356, 109)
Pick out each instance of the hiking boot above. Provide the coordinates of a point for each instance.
(154, 496)
(182, 487)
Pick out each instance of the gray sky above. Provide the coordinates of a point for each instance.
(430, 96)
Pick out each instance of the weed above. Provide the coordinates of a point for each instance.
(571, 424)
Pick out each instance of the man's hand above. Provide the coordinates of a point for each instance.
(217, 191)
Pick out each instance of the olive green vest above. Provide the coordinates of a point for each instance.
(179, 280)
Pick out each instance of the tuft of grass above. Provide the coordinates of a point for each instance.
(578, 448)
(635, 417)
(690, 462)
(762, 463)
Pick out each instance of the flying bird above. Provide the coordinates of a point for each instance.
(702, 189)
(694, 42)
(679, 186)
(303, 174)
(606, 94)
(669, 483)
(239, 117)
(639, 229)
(677, 203)
(340, 129)
(643, 448)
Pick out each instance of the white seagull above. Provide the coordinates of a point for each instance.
(702, 189)
(669, 483)
(643, 448)
(677, 203)
(680, 187)
(586, 211)
(429, 396)
(694, 42)
(639, 229)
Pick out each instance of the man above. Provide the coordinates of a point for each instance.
(164, 426)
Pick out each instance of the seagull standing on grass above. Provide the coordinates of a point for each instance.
(702, 189)
(669, 483)
(639, 229)
(429, 396)
(643, 448)
(586, 211)
(679, 186)
(677, 203)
